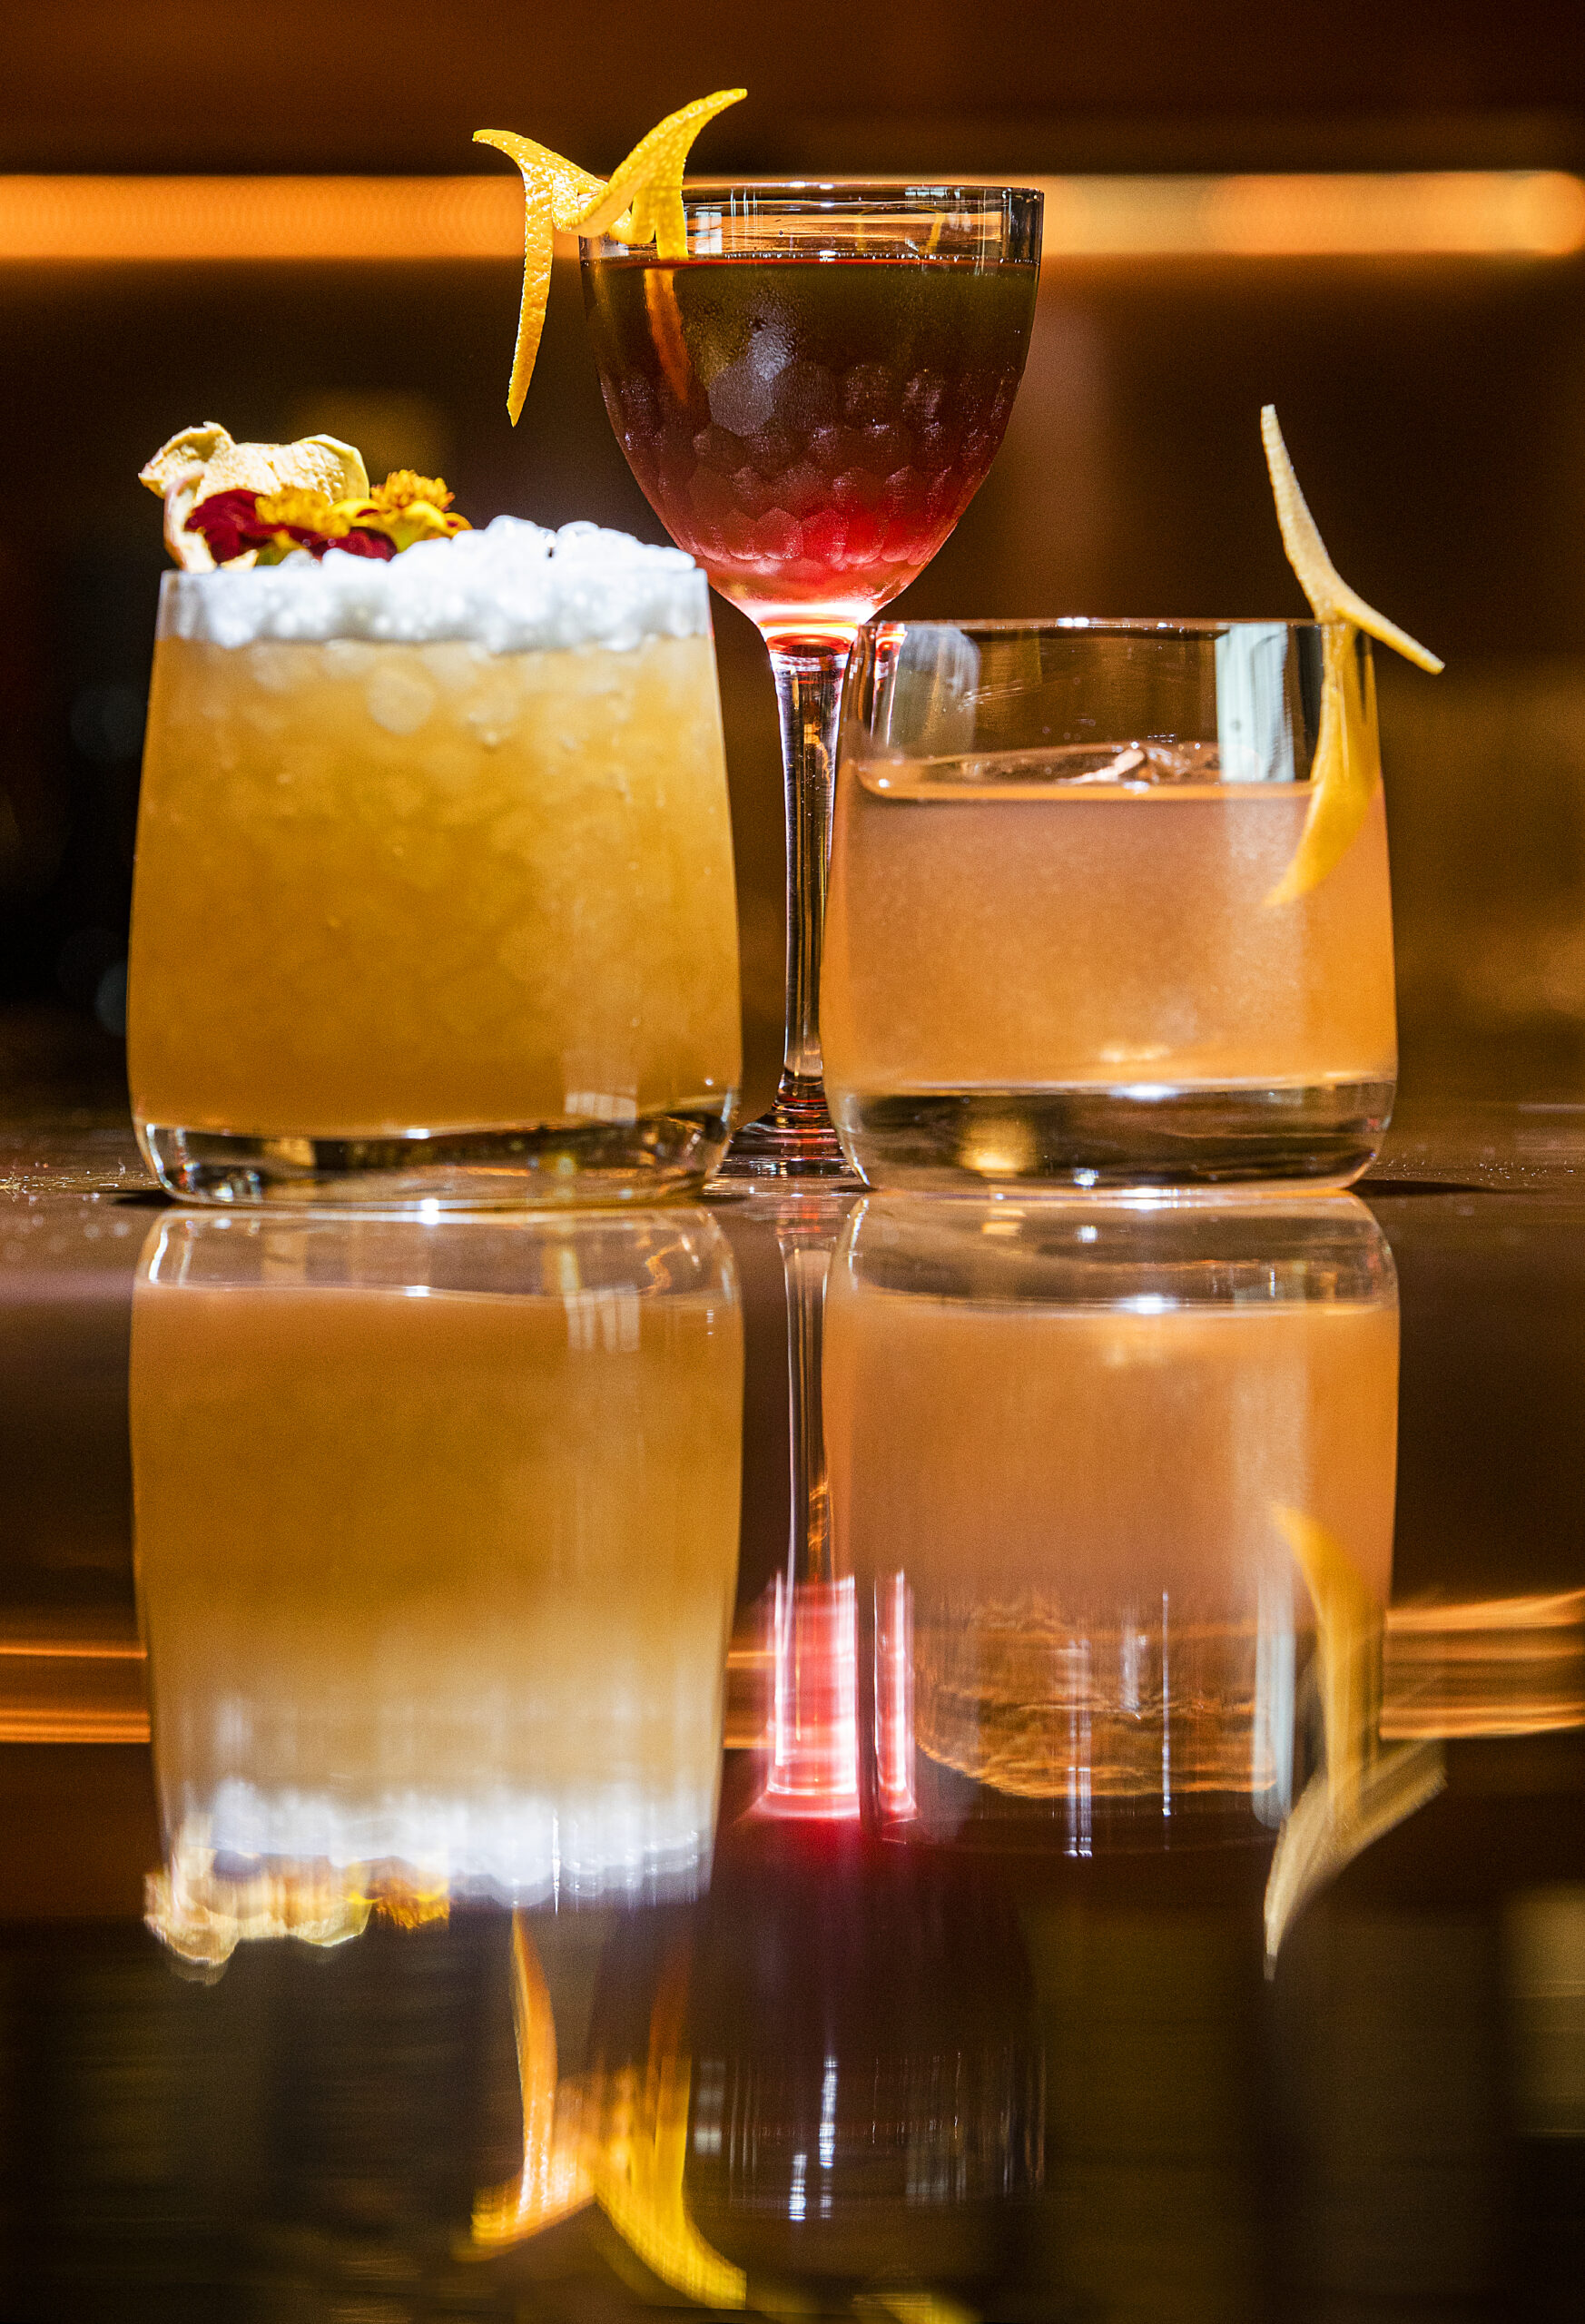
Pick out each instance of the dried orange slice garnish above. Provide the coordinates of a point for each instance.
(641, 202)
(1348, 765)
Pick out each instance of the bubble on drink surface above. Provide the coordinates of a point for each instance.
(511, 587)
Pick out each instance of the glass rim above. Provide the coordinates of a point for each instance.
(902, 191)
(838, 198)
(1163, 626)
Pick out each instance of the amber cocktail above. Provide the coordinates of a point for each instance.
(1062, 946)
(434, 895)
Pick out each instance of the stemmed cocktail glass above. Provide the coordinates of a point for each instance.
(809, 401)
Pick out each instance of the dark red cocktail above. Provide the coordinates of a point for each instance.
(810, 400)
(810, 430)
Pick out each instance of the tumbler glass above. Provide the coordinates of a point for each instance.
(431, 921)
(1056, 947)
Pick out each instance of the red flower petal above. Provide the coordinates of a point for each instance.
(227, 520)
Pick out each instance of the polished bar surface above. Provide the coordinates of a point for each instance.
(947, 1930)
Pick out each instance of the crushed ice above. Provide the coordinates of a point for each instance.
(510, 587)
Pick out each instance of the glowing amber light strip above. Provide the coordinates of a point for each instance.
(1469, 213)
(1488, 1667)
(1426, 213)
(108, 220)
(63, 1689)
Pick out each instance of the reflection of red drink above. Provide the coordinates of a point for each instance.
(811, 431)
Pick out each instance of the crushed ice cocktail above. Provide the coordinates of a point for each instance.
(810, 399)
(1061, 945)
(434, 891)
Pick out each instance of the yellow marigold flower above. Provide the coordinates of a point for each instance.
(306, 509)
(402, 488)
(407, 508)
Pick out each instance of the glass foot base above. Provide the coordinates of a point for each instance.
(962, 1141)
(541, 1166)
(794, 1141)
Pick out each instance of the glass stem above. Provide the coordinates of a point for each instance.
(809, 671)
(815, 1760)
(805, 1261)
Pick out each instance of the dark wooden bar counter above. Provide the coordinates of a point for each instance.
(999, 2073)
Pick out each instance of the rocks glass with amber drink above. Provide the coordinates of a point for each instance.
(434, 888)
(810, 399)
(1079, 934)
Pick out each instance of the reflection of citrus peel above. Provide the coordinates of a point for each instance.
(1347, 764)
(606, 2140)
(1346, 768)
(665, 327)
(641, 202)
(1365, 1788)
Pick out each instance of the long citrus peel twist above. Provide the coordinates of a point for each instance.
(639, 202)
(1348, 765)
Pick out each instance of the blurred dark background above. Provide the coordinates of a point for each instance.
(1435, 406)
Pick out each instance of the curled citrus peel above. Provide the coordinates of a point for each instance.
(1347, 764)
(641, 202)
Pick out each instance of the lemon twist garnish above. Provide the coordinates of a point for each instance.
(1348, 765)
(641, 202)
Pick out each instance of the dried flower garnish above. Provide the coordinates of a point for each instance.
(253, 504)
(202, 462)
(403, 489)
(407, 508)
(268, 526)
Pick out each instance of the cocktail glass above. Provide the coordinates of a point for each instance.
(1057, 949)
(809, 401)
(428, 921)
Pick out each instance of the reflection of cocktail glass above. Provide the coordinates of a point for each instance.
(869, 2080)
(809, 401)
(437, 1540)
(434, 895)
(1061, 945)
(1070, 1455)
